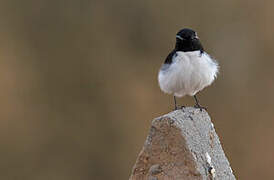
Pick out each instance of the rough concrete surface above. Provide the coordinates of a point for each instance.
(182, 145)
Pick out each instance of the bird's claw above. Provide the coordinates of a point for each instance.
(177, 108)
(200, 107)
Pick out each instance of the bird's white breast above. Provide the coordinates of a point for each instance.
(188, 73)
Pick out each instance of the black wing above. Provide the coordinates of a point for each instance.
(169, 57)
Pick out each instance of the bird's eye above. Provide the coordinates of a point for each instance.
(179, 37)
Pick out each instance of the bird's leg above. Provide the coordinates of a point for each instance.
(175, 103)
(197, 105)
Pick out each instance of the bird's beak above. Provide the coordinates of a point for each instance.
(196, 37)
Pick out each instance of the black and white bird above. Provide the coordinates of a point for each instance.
(188, 68)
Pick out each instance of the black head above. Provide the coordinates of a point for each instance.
(187, 40)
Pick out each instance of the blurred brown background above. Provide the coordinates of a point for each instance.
(78, 83)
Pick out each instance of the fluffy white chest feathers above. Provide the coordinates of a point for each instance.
(188, 73)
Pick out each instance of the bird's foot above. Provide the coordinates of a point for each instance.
(177, 108)
(200, 107)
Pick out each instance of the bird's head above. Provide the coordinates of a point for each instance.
(187, 35)
(188, 40)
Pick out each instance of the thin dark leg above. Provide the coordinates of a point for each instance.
(175, 103)
(197, 104)
(196, 100)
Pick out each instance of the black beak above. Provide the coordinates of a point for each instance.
(195, 38)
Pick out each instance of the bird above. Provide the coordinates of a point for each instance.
(187, 69)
